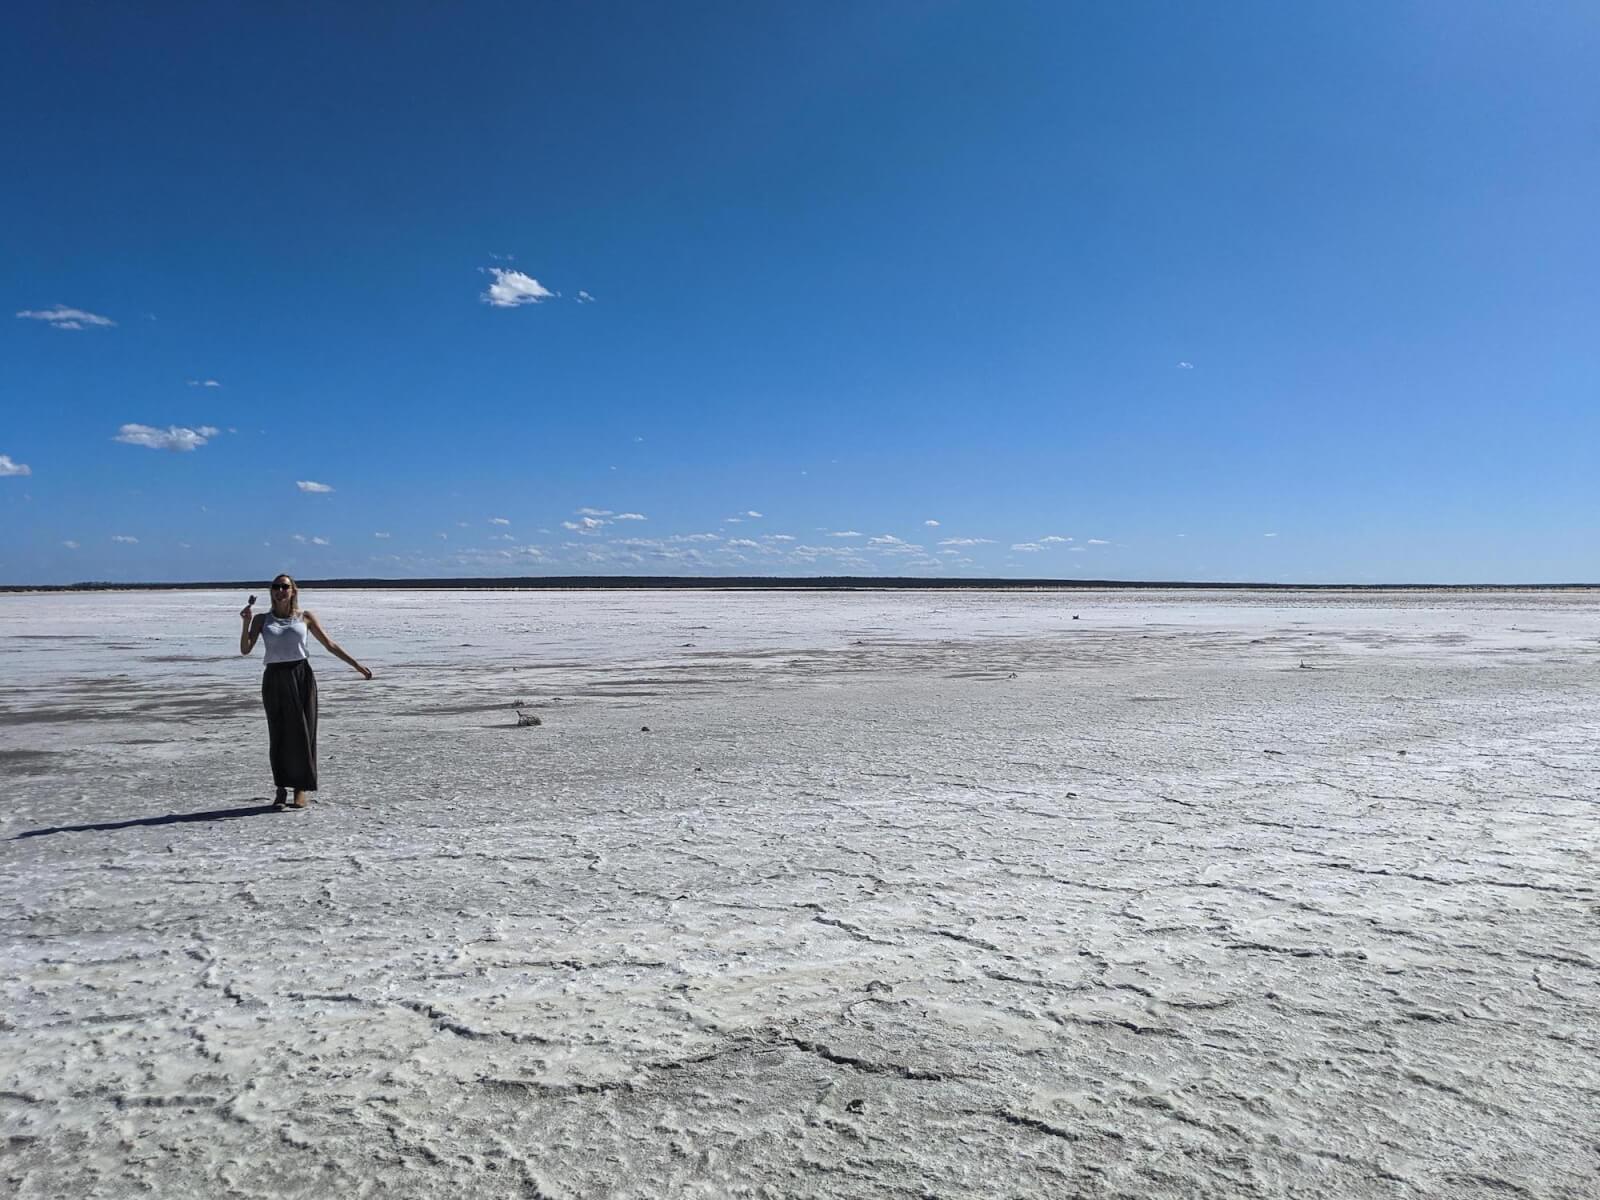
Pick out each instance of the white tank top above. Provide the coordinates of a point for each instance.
(285, 638)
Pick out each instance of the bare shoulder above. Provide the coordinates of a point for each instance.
(309, 617)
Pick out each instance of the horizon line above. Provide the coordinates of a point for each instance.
(773, 582)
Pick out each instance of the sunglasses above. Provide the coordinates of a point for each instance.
(282, 587)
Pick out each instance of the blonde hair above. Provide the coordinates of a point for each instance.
(294, 594)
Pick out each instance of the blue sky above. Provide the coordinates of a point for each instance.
(1242, 291)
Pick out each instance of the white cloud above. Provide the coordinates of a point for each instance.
(967, 542)
(745, 543)
(631, 517)
(584, 524)
(695, 537)
(753, 514)
(173, 437)
(1029, 547)
(584, 297)
(124, 539)
(311, 485)
(381, 535)
(1076, 549)
(61, 317)
(499, 521)
(1186, 366)
(845, 533)
(70, 544)
(931, 524)
(202, 383)
(886, 539)
(1054, 538)
(1098, 542)
(299, 537)
(512, 289)
(319, 541)
(1269, 535)
(7, 467)
(594, 512)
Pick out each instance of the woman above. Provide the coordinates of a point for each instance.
(288, 688)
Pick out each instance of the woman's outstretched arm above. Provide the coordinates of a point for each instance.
(333, 648)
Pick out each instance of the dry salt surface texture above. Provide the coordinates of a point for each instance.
(901, 894)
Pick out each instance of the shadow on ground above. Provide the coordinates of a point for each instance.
(215, 814)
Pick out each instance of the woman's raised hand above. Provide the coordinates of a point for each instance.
(245, 612)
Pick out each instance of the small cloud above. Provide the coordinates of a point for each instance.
(444, 537)
(311, 485)
(779, 537)
(299, 537)
(584, 524)
(753, 515)
(1029, 547)
(594, 512)
(385, 536)
(512, 289)
(7, 467)
(61, 317)
(638, 439)
(584, 297)
(1186, 366)
(845, 533)
(631, 517)
(124, 539)
(1269, 535)
(967, 542)
(743, 543)
(887, 539)
(1098, 542)
(1054, 538)
(498, 521)
(931, 524)
(202, 383)
(319, 541)
(70, 544)
(173, 437)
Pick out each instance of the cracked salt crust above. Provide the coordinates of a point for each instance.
(1199, 895)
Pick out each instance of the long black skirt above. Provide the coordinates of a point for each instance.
(289, 694)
